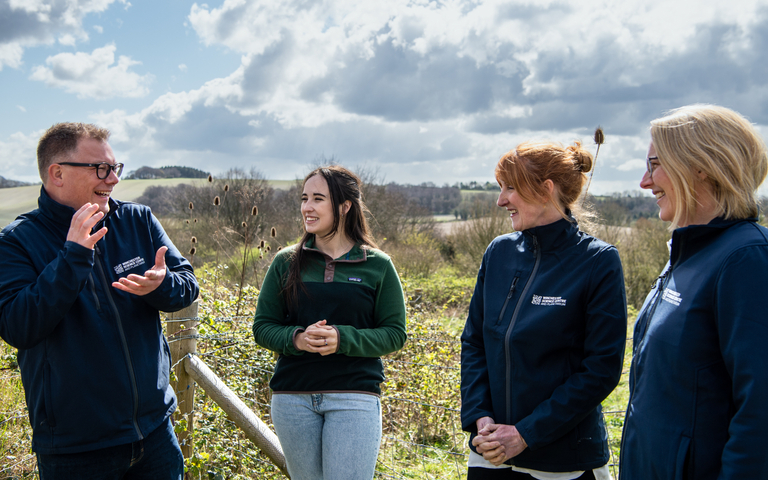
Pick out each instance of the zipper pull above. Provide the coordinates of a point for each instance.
(512, 288)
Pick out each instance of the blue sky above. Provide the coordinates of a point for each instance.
(421, 91)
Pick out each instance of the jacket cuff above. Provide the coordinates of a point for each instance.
(296, 333)
(338, 339)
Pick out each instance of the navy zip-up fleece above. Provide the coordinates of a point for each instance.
(699, 376)
(544, 343)
(94, 362)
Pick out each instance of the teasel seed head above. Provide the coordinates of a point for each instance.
(599, 136)
(192, 250)
(254, 211)
(191, 206)
(216, 201)
(194, 239)
(599, 140)
(261, 244)
(226, 187)
(210, 178)
(245, 225)
(273, 232)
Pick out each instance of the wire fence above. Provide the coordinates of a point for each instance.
(422, 435)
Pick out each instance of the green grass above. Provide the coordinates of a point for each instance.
(16, 457)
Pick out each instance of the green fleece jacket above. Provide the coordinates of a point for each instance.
(359, 294)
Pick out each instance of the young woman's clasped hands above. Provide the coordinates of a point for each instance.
(318, 338)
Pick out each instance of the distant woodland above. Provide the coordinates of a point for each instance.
(8, 183)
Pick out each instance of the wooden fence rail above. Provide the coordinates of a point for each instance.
(190, 369)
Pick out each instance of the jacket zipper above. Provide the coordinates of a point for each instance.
(509, 295)
(662, 283)
(93, 291)
(127, 353)
(512, 321)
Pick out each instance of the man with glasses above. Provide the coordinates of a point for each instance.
(82, 280)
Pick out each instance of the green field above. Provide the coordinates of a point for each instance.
(18, 200)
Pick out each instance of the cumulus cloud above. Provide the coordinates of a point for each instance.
(93, 75)
(18, 157)
(414, 84)
(25, 23)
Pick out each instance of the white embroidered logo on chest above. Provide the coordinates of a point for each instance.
(127, 265)
(548, 301)
(672, 297)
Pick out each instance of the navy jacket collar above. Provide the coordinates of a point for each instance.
(62, 214)
(552, 236)
(687, 240)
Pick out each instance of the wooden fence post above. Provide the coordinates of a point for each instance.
(182, 336)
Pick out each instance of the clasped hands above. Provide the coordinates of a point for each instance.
(79, 232)
(318, 338)
(497, 443)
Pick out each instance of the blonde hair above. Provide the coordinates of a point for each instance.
(530, 164)
(718, 142)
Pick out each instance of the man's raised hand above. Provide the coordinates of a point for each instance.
(83, 222)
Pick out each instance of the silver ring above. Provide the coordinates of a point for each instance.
(326, 342)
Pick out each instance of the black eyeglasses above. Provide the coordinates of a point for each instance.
(650, 166)
(102, 169)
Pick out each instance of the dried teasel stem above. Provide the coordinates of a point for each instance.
(599, 140)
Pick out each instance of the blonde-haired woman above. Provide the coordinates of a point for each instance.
(699, 377)
(544, 339)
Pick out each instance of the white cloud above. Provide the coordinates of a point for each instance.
(21, 108)
(18, 156)
(26, 23)
(10, 55)
(93, 75)
(98, 28)
(428, 90)
(632, 165)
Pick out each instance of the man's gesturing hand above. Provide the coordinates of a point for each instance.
(82, 223)
(142, 285)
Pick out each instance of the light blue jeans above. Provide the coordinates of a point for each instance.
(328, 436)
